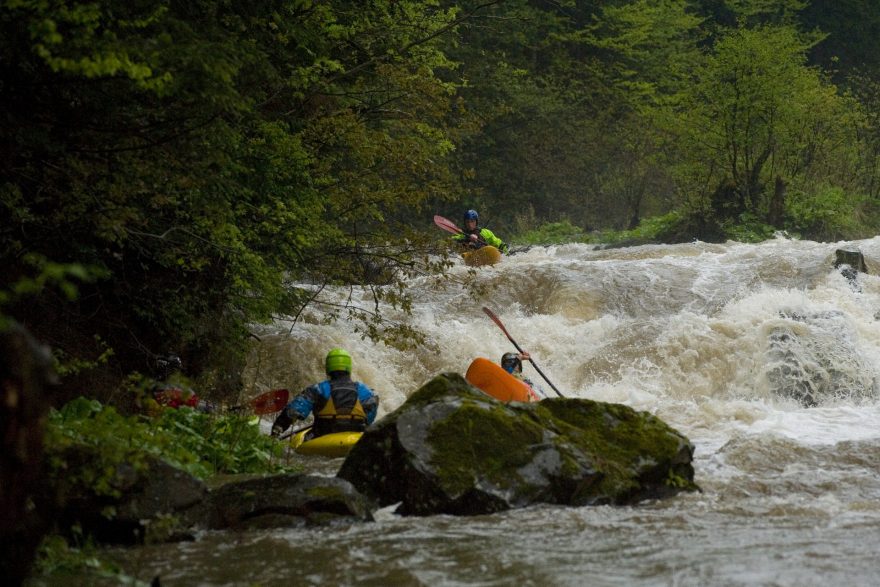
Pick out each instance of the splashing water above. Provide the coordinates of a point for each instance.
(765, 356)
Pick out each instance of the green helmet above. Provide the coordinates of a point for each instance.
(337, 360)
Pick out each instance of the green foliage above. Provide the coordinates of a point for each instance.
(226, 444)
(201, 444)
(87, 444)
(654, 229)
(203, 161)
(828, 214)
(756, 113)
(552, 233)
(205, 156)
(43, 273)
(748, 228)
(57, 560)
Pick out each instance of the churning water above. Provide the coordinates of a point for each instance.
(765, 356)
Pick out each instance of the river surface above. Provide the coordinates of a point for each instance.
(765, 356)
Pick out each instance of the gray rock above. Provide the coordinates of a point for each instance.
(287, 500)
(453, 449)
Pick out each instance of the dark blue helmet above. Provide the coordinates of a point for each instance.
(510, 362)
(471, 215)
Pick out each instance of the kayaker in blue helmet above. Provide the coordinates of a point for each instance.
(512, 363)
(474, 237)
(339, 404)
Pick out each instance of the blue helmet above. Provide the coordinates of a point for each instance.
(471, 215)
(511, 362)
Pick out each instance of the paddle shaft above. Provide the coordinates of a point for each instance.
(292, 432)
(497, 321)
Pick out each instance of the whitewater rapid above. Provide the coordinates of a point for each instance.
(764, 355)
(683, 331)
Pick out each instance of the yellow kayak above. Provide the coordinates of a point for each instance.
(487, 255)
(330, 445)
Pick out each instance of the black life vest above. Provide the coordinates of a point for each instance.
(342, 411)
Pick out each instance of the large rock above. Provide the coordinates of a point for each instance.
(287, 500)
(161, 503)
(152, 502)
(452, 449)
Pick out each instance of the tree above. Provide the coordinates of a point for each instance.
(205, 156)
(757, 112)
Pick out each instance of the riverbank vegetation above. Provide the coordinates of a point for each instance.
(93, 452)
(174, 173)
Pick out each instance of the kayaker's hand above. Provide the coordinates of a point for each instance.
(472, 238)
(524, 356)
(276, 431)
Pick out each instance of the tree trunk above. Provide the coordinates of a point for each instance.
(776, 213)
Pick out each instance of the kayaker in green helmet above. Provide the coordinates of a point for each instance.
(512, 363)
(474, 237)
(339, 404)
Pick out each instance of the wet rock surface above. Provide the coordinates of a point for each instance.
(452, 449)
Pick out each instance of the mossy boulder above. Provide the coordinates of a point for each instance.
(291, 500)
(144, 500)
(158, 502)
(452, 449)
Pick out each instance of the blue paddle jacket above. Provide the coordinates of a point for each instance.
(352, 406)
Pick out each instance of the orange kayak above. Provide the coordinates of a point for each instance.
(495, 381)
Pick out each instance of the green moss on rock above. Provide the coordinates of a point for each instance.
(480, 439)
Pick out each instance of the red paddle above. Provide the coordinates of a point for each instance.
(447, 225)
(497, 321)
(270, 402)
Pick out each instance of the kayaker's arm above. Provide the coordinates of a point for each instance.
(298, 409)
(471, 241)
(369, 401)
(490, 239)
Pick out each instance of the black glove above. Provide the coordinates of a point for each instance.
(282, 422)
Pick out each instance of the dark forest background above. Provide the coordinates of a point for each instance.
(169, 169)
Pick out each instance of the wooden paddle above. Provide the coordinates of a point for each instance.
(270, 402)
(497, 321)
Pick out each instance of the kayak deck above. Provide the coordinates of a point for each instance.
(487, 255)
(337, 444)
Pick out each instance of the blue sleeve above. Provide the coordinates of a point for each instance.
(369, 400)
(303, 404)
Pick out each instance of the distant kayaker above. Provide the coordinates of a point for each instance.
(169, 389)
(338, 404)
(512, 363)
(474, 237)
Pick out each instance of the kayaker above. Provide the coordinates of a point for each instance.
(169, 391)
(338, 404)
(474, 237)
(512, 363)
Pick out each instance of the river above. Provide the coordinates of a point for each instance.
(725, 342)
